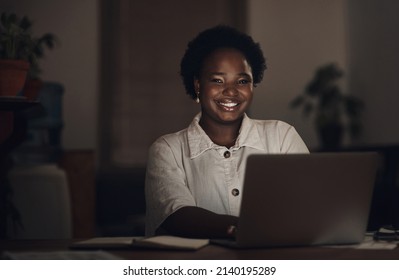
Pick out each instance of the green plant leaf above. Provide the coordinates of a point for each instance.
(307, 109)
(325, 99)
(25, 23)
(17, 41)
(297, 101)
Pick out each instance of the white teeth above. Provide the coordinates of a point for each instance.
(229, 104)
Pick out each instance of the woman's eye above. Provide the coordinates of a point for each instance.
(217, 81)
(243, 82)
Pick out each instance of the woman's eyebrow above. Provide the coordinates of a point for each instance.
(222, 73)
(244, 74)
(218, 73)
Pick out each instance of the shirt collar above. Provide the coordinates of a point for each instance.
(199, 141)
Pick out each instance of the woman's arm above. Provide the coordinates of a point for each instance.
(196, 222)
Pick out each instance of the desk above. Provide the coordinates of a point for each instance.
(212, 252)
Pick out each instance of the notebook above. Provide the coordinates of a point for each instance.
(305, 199)
(155, 242)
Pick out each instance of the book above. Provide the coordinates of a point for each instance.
(157, 242)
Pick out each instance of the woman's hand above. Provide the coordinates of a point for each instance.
(196, 222)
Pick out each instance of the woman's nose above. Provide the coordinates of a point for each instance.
(230, 90)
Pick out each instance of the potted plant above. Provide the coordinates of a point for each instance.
(16, 50)
(33, 82)
(20, 50)
(334, 112)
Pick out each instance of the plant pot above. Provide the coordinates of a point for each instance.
(32, 88)
(12, 76)
(330, 137)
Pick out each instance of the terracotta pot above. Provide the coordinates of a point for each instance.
(12, 76)
(32, 88)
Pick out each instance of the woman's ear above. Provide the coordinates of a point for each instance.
(196, 85)
(197, 90)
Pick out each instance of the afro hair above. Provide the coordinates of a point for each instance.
(215, 38)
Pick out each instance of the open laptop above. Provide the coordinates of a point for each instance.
(305, 199)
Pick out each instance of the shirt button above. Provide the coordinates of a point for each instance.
(226, 154)
(235, 192)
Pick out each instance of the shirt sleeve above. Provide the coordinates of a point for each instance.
(291, 142)
(166, 186)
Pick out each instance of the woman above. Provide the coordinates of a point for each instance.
(195, 176)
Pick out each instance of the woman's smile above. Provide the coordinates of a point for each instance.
(228, 105)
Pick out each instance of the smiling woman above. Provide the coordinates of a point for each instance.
(195, 176)
(224, 89)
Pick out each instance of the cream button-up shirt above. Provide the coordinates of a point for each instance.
(187, 169)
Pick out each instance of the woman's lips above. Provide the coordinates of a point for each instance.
(228, 105)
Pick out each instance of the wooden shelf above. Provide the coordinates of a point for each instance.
(16, 103)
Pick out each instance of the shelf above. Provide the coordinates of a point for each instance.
(16, 103)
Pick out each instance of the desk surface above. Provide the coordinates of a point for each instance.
(212, 252)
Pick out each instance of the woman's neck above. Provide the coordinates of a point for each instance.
(222, 135)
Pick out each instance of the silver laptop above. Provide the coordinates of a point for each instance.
(305, 199)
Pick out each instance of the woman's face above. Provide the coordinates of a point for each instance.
(225, 87)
